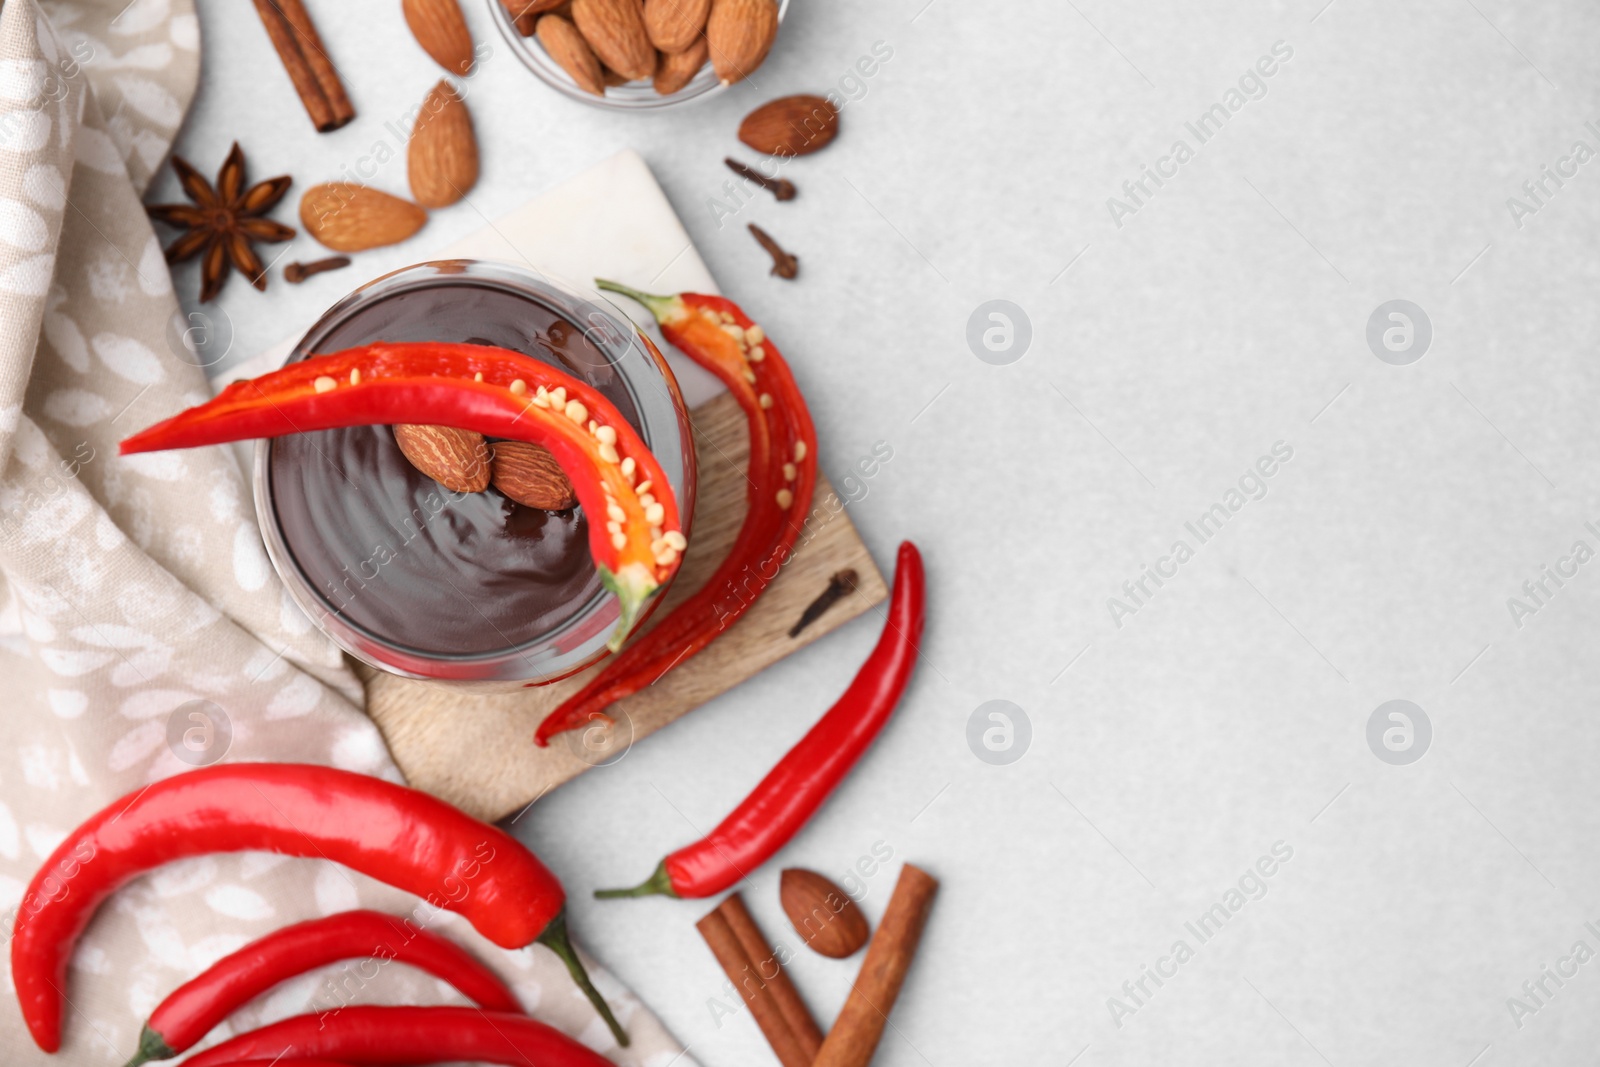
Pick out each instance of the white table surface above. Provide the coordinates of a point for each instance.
(1227, 314)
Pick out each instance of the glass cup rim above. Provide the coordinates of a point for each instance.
(661, 413)
(637, 96)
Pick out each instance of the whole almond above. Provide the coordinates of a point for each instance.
(529, 474)
(674, 25)
(347, 217)
(615, 30)
(790, 126)
(456, 459)
(740, 33)
(821, 913)
(677, 69)
(441, 30)
(572, 53)
(442, 156)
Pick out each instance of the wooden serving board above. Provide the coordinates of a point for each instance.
(477, 751)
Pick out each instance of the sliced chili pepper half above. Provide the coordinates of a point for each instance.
(635, 534)
(719, 336)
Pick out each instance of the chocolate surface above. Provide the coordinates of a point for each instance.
(399, 555)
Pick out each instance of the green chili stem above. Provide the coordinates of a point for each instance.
(659, 883)
(556, 940)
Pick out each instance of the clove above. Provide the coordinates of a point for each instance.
(841, 583)
(782, 188)
(784, 265)
(295, 273)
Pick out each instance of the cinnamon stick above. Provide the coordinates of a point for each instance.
(856, 1033)
(317, 57)
(736, 964)
(299, 47)
(770, 970)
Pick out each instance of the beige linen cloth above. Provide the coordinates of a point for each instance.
(130, 588)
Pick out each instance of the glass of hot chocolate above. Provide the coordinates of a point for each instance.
(413, 578)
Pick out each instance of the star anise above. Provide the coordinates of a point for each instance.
(222, 222)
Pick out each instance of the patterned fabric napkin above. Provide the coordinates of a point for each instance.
(142, 629)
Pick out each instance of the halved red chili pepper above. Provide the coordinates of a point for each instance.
(635, 534)
(374, 1035)
(191, 1010)
(793, 790)
(399, 836)
(718, 335)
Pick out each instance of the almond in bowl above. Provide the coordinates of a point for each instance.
(640, 54)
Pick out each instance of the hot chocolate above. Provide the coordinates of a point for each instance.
(398, 556)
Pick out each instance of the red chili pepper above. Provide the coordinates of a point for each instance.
(793, 790)
(635, 534)
(782, 474)
(191, 1010)
(399, 836)
(373, 1035)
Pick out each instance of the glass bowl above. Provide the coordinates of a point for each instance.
(431, 301)
(634, 96)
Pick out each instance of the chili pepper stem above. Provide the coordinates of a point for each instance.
(664, 308)
(152, 1046)
(633, 587)
(659, 883)
(556, 940)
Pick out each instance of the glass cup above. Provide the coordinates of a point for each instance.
(428, 602)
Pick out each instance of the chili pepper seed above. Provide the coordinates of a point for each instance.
(325, 384)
